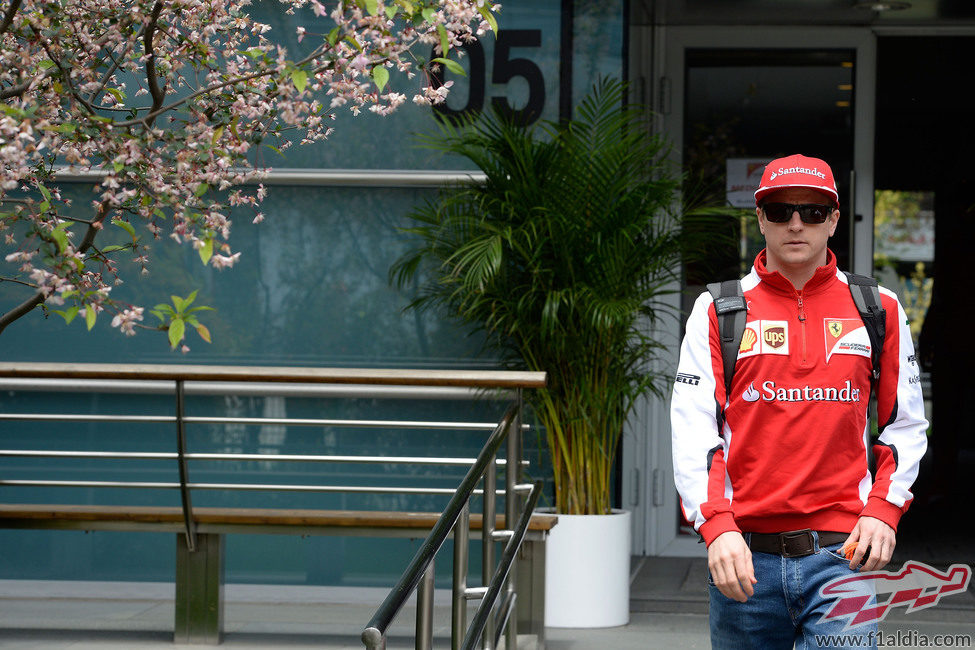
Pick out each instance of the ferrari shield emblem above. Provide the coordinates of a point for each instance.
(835, 328)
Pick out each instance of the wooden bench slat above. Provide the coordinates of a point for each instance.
(249, 516)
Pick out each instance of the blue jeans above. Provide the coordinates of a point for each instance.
(786, 607)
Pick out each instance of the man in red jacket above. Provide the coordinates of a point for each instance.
(783, 488)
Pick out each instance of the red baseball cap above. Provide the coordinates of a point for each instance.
(797, 171)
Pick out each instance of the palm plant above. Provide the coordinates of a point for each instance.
(560, 257)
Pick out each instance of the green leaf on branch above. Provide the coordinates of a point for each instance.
(179, 303)
(203, 332)
(126, 226)
(163, 311)
(428, 13)
(201, 189)
(444, 41)
(177, 330)
(113, 248)
(206, 251)
(453, 66)
(90, 315)
(300, 79)
(61, 237)
(372, 6)
(68, 314)
(217, 133)
(489, 17)
(381, 76)
(13, 111)
(333, 36)
(391, 11)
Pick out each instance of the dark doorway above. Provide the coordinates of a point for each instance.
(924, 143)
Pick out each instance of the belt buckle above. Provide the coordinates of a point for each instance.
(797, 543)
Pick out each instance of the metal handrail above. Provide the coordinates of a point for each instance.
(480, 622)
(167, 455)
(250, 487)
(374, 634)
(263, 389)
(303, 422)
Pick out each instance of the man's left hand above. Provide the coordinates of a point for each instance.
(874, 534)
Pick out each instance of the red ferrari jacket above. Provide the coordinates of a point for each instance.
(792, 452)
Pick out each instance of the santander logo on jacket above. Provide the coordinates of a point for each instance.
(771, 393)
(792, 452)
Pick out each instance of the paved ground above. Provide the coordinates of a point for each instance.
(77, 616)
(668, 610)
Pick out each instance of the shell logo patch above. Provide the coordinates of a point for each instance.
(748, 340)
(846, 336)
(764, 337)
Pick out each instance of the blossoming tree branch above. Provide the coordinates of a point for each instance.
(166, 102)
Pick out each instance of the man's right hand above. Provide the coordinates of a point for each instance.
(730, 562)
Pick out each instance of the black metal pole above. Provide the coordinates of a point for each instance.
(183, 472)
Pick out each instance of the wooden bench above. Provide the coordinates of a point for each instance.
(200, 573)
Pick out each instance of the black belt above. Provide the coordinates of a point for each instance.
(795, 543)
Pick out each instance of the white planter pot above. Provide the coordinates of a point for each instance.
(587, 571)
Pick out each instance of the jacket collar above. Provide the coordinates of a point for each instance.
(823, 275)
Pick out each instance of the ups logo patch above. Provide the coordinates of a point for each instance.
(774, 337)
(764, 337)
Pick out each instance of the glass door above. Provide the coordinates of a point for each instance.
(731, 99)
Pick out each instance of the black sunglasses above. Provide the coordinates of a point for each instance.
(808, 212)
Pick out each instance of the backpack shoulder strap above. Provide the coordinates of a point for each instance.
(866, 295)
(732, 311)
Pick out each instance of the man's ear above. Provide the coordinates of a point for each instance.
(834, 220)
(761, 222)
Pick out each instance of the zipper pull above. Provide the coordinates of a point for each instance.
(802, 313)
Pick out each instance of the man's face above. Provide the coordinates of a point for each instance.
(795, 245)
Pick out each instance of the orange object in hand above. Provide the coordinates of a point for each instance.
(848, 551)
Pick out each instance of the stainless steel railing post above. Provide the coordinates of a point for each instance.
(458, 605)
(512, 506)
(424, 610)
(487, 541)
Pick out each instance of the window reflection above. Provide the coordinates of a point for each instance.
(904, 250)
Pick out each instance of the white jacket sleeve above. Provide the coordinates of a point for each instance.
(900, 415)
(698, 449)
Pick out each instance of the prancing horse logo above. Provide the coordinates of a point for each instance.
(835, 328)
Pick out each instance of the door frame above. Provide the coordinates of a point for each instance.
(657, 65)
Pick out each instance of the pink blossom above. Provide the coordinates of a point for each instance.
(126, 320)
(183, 128)
(224, 261)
